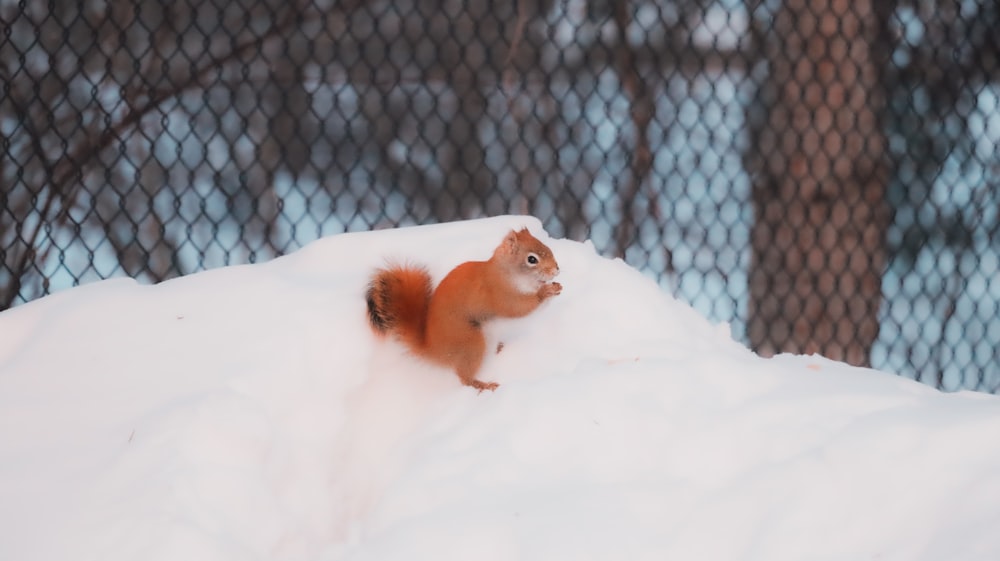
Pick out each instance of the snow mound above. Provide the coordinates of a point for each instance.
(248, 413)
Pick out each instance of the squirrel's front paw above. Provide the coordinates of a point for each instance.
(551, 289)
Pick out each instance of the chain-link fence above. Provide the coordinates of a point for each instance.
(822, 174)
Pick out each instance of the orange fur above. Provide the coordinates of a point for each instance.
(444, 326)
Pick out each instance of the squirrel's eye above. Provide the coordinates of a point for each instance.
(532, 259)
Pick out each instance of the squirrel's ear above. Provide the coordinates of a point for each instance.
(510, 241)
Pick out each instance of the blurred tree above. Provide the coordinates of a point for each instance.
(942, 86)
(89, 91)
(818, 162)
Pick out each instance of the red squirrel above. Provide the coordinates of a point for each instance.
(445, 325)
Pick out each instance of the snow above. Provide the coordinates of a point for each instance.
(248, 413)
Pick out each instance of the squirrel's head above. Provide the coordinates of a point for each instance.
(530, 259)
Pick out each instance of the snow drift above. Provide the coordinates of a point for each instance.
(248, 413)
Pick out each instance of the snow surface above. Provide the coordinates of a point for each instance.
(248, 413)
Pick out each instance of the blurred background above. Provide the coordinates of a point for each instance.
(821, 174)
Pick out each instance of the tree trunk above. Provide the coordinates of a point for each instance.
(818, 160)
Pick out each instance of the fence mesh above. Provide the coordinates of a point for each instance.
(821, 174)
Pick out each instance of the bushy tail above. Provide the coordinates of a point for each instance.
(397, 302)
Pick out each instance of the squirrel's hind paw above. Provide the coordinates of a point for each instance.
(482, 386)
